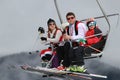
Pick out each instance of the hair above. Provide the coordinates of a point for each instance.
(69, 14)
(50, 20)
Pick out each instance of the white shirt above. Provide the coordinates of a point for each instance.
(82, 29)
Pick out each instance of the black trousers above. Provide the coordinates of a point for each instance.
(60, 53)
(76, 55)
(71, 55)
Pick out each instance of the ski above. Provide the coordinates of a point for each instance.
(47, 72)
(88, 74)
(54, 72)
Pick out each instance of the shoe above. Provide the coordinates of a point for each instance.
(44, 63)
(81, 69)
(61, 68)
(72, 68)
(75, 68)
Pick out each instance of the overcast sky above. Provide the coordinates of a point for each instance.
(20, 19)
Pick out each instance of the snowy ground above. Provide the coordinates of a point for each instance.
(9, 69)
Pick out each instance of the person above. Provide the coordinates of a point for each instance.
(54, 36)
(73, 49)
(93, 43)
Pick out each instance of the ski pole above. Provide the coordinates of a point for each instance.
(35, 44)
(52, 56)
(95, 49)
(41, 32)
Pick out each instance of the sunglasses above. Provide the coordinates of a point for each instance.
(91, 24)
(51, 24)
(70, 18)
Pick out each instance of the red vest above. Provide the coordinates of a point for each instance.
(76, 32)
(76, 28)
(54, 35)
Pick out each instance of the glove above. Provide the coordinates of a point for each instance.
(41, 30)
(43, 38)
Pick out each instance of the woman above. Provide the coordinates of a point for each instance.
(54, 36)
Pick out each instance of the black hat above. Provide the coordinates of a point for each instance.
(49, 21)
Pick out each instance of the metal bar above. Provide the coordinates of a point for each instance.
(102, 16)
(58, 12)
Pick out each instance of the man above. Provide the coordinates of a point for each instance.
(73, 49)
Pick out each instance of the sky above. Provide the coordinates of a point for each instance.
(20, 20)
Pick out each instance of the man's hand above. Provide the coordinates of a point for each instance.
(66, 37)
